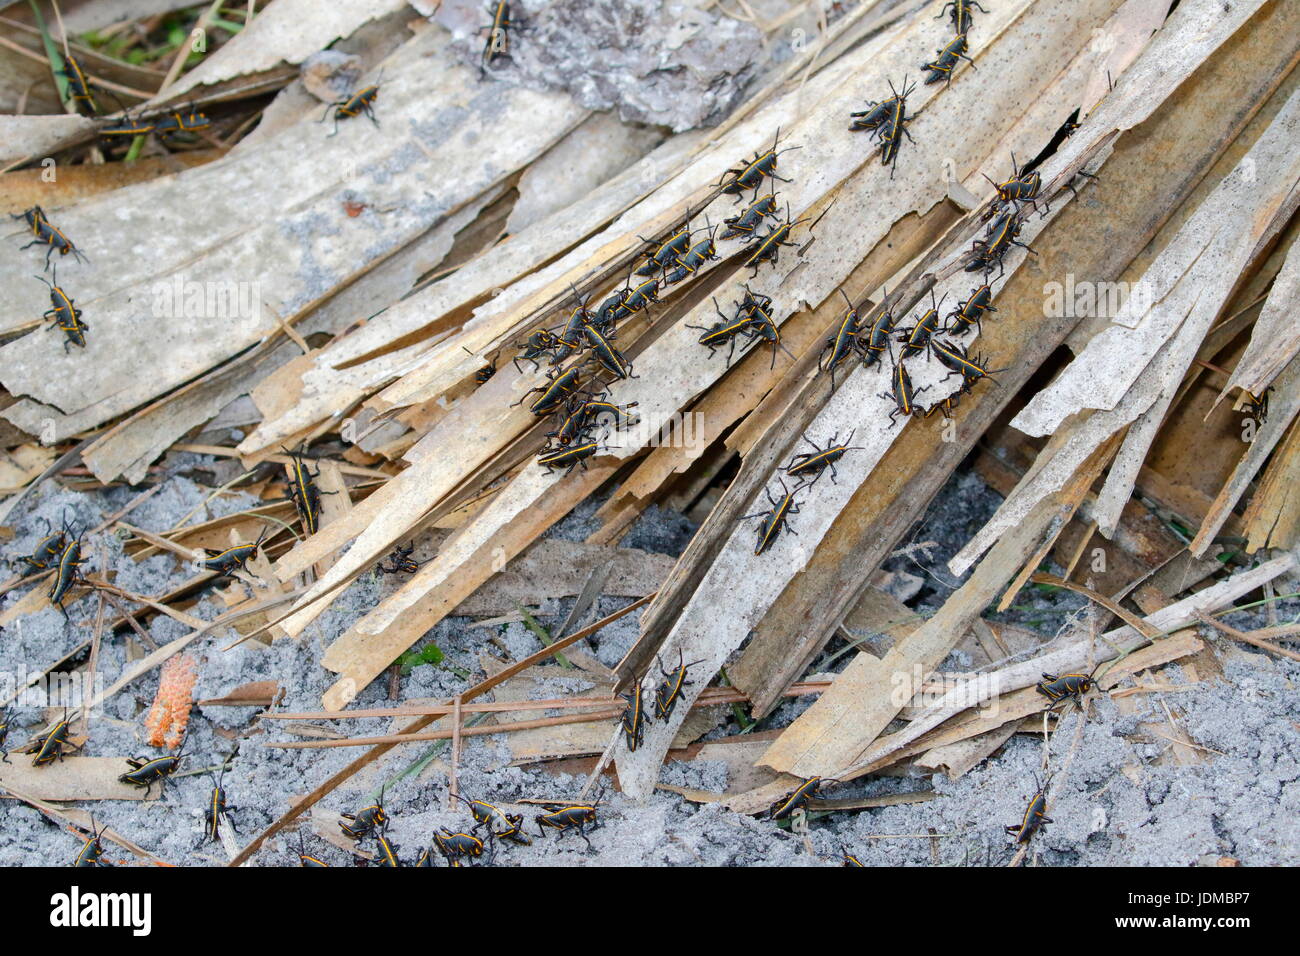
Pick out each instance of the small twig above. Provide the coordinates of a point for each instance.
(749, 16)
(93, 665)
(1270, 609)
(1154, 689)
(1242, 636)
(130, 506)
(179, 525)
(1188, 743)
(188, 620)
(288, 329)
(910, 836)
(709, 697)
(602, 710)
(448, 734)
(453, 787)
(129, 617)
(222, 451)
(158, 541)
(1281, 632)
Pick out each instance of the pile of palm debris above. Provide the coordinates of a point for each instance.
(649, 432)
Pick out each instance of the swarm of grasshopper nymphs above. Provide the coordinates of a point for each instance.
(170, 713)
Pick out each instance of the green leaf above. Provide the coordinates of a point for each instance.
(429, 654)
(52, 53)
(543, 635)
(738, 712)
(133, 152)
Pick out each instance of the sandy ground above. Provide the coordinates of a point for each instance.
(1121, 799)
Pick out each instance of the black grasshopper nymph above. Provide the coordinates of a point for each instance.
(402, 561)
(882, 114)
(903, 393)
(78, 86)
(843, 342)
(515, 834)
(665, 252)
(559, 386)
(563, 818)
(233, 558)
(365, 821)
(5, 722)
(725, 332)
(873, 340)
(50, 235)
(486, 815)
(670, 690)
(970, 312)
(46, 553)
(66, 573)
(768, 248)
(959, 361)
(128, 128)
(303, 491)
(946, 59)
(1034, 818)
(1001, 236)
(748, 221)
(962, 19)
(457, 845)
(359, 103)
(751, 174)
(388, 856)
(1059, 688)
(1023, 186)
(64, 315)
(690, 261)
(765, 329)
(539, 343)
(640, 297)
(813, 464)
(569, 457)
(775, 519)
(581, 415)
(182, 121)
(91, 853)
(632, 721)
(605, 355)
(916, 338)
(797, 799)
(145, 771)
(48, 746)
(217, 809)
(498, 40)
